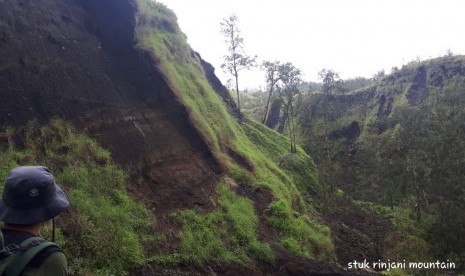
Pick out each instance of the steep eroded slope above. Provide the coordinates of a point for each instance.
(76, 60)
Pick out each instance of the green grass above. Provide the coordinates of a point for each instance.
(102, 222)
(295, 173)
(287, 177)
(299, 234)
(224, 236)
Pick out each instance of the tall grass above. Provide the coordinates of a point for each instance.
(103, 229)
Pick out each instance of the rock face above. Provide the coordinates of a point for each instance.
(76, 59)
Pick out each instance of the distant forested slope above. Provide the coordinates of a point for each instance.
(399, 143)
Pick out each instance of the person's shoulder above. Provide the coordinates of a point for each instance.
(58, 257)
(54, 264)
(44, 254)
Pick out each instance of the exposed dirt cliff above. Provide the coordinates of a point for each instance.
(76, 60)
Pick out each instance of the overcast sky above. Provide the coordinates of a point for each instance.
(352, 37)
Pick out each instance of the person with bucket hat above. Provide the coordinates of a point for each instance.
(30, 198)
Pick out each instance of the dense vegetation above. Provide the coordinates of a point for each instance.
(399, 143)
(394, 145)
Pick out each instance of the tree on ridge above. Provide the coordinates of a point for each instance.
(236, 59)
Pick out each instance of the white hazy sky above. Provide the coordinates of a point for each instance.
(352, 37)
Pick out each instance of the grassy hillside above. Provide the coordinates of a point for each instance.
(399, 143)
(252, 155)
(263, 203)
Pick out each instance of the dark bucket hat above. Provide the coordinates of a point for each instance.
(31, 196)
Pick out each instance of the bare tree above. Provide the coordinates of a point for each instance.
(236, 59)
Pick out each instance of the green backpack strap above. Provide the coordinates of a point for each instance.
(25, 252)
(4, 255)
